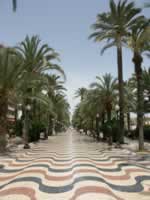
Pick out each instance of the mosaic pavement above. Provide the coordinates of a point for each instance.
(73, 167)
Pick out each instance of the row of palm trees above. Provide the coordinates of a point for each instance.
(29, 81)
(124, 25)
(101, 100)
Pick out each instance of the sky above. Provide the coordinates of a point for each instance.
(66, 25)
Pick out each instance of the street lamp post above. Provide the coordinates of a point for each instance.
(27, 126)
(53, 126)
(97, 126)
(118, 134)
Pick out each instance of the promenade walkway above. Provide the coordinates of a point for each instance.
(74, 167)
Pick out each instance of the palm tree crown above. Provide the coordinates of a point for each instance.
(113, 26)
(81, 92)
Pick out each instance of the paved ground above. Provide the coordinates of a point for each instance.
(72, 167)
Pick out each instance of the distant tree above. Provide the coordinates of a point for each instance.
(146, 80)
(130, 100)
(81, 92)
(106, 87)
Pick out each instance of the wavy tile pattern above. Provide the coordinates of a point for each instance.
(73, 167)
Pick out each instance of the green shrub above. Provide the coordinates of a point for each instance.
(106, 128)
(35, 130)
(115, 130)
(111, 129)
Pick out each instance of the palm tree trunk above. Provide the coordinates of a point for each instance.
(26, 127)
(109, 115)
(39, 113)
(3, 113)
(128, 121)
(50, 129)
(103, 118)
(121, 95)
(137, 59)
(3, 119)
(26, 123)
(97, 127)
(34, 109)
(92, 126)
(16, 117)
(110, 139)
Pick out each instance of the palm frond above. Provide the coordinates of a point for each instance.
(14, 2)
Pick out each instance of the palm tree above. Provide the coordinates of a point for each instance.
(60, 111)
(89, 108)
(54, 87)
(139, 43)
(130, 101)
(37, 60)
(37, 57)
(113, 27)
(76, 117)
(106, 90)
(106, 86)
(10, 70)
(81, 92)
